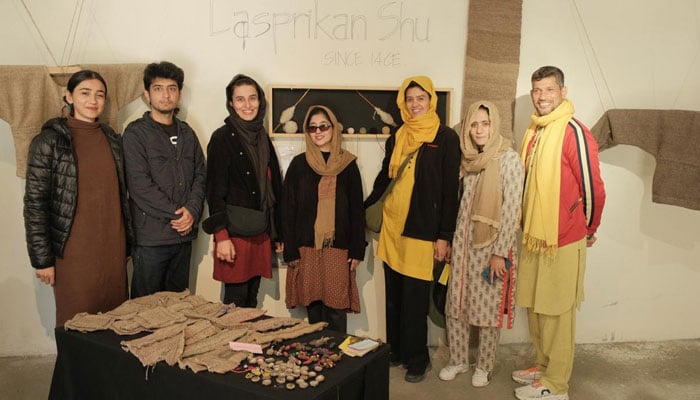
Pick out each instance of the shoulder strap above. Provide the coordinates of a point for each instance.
(398, 173)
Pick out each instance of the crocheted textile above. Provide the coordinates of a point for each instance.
(300, 329)
(274, 323)
(235, 316)
(85, 322)
(189, 331)
(158, 317)
(218, 341)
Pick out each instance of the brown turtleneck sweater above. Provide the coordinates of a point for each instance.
(91, 276)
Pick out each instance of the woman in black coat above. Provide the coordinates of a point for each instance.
(243, 186)
(323, 224)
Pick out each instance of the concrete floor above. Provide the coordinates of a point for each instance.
(618, 371)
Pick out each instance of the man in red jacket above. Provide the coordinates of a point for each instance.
(562, 204)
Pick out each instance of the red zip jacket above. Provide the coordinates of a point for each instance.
(582, 194)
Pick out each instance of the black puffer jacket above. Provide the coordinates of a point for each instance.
(51, 191)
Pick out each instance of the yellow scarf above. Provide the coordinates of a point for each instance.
(414, 131)
(324, 226)
(540, 218)
(488, 197)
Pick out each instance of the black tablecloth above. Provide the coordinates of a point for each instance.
(93, 366)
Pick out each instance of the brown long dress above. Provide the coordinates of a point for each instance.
(91, 276)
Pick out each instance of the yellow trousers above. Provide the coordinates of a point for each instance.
(551, 289)
(553, 337)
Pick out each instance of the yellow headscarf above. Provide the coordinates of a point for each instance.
(488, 198)
(414, 131)
(540, 216)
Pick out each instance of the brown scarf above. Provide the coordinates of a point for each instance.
(487, 203)
(324, 227)
(255, 141)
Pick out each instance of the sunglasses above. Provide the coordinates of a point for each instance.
(322, 128)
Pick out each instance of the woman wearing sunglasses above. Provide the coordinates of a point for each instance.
(323, 224)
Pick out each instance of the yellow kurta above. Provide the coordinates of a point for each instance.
(552, 285)
(407, 256)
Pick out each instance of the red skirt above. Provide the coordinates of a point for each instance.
(253, 258)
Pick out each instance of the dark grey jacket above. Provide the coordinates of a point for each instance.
(162, 178)
(51, 192)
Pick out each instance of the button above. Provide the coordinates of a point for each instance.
(247, 172)
(253, 192)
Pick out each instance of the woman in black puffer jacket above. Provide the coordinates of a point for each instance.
(75, 206)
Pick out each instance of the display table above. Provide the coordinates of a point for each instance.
(93, 366)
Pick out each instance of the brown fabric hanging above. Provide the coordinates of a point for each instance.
(30, 95)
(671, 136)
(493, 57)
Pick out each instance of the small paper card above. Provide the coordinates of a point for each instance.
(251, 347)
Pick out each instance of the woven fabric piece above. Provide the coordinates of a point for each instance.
(196, 300)
(668, 135)
(199, 330)
(205, 311)
(127, 310)
(194, 364)
(168, 350)
(179, 307)
(217, 361)
(162, 298)
(127, 327)
(283, 334)
(237, 316)
(160, 334)
(85, 322)
(158, 317)
(31, 95)
(493, 56)
(218, 341)
(274, 323)
(190, 331)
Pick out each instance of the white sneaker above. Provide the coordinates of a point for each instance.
(537, 391)
(526, 376)
(480, 378)
(450, 371)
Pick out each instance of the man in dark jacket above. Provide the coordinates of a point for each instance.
(166, 177)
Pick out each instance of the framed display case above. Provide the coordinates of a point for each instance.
(363, 111)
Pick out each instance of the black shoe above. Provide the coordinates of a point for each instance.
(394, 360)
(416, 376)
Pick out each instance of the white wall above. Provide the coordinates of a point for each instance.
(639, 273)
(626, 54)
(207, 40)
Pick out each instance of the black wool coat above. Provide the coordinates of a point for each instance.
(300, 202)
(432, 214)
(232, 179)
